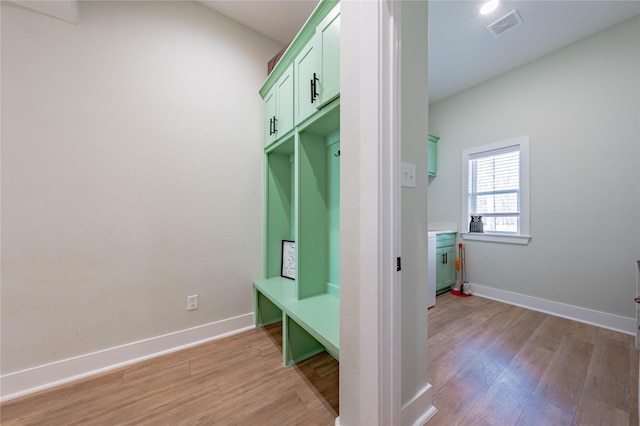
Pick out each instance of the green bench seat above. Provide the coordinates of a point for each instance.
(309, 325)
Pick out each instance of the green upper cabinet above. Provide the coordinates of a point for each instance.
(317, 68)
(278, 108)
(306, 78)
(328, 39)
(269, 102)
(432, 168)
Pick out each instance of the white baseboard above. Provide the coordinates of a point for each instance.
(589, 316)
(419, 409)
(38, 378)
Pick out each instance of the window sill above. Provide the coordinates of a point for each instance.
(496, 238)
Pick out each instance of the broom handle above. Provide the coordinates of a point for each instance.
(461, 264)
(464, 263)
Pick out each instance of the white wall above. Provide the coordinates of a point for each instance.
(131, 175)
(581, 107)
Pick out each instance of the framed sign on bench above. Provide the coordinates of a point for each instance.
(288, 262)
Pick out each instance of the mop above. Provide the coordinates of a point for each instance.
(461, 265)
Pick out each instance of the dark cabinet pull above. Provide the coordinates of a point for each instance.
(314, 88)
(272, 126)
(446, 258)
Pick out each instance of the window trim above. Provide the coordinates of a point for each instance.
(523, 237)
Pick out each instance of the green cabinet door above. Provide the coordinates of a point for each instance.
(317, 68)
(278, 108)
(306, 80)
(441, 285)
(445, 262)
(432, 168)
(449, 267)
(328, 39)
(269, 109)
(284, 103)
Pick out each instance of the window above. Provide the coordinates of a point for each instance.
(495, 185)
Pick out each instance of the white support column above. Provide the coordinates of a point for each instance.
(413, 117)
(369, 366)
(376, 387)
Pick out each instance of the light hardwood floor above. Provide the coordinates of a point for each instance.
(489, 364)
(496, 364)
(238, 380)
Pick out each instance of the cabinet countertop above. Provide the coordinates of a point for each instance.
(442, 231)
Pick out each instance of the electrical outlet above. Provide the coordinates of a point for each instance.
(192, 302)
(408, 175)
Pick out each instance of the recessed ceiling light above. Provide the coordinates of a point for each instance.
(489, 7)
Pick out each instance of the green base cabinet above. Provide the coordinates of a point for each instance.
(445, 262)
(432, 168)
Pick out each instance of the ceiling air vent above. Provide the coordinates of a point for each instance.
(505, 23)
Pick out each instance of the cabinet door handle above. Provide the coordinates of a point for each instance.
(313, 84)
(275, 129)
(314, 87)
(270, 126)
(637, 299)
(446, 258)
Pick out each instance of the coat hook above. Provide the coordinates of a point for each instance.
(337, 155)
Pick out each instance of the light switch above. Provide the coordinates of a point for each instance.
(408, 175)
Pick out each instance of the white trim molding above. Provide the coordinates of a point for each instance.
(496, 238)
(42, 377)
(636, 325)
(418, 409)
(588, 316)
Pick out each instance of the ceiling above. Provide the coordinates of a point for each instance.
(462, 52)
(67, 10)
(278, 19)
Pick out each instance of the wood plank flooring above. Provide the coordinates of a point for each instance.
(238, 380)
(497, 364)
(489, 364)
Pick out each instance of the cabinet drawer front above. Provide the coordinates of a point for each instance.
(444, 240)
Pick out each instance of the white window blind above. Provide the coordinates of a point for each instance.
(494, 188)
